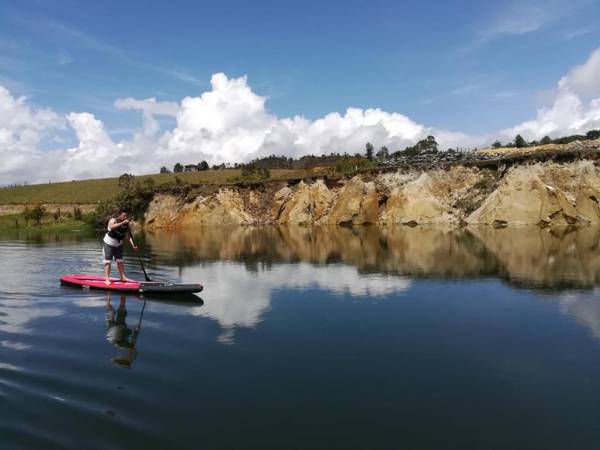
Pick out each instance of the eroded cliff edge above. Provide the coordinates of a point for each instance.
(544, 194)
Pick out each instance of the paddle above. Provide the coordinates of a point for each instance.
(138, 255)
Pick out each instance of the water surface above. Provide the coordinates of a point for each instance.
(307, 338)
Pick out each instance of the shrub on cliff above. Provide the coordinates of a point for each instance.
(252, 174)
(569, 139)
(126, 180)
(353, 164)
(593, 134)
(36, 214)
(134, 199)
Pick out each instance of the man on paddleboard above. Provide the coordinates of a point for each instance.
(112, 245)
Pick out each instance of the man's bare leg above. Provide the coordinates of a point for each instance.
(121, 267)
(107, 274)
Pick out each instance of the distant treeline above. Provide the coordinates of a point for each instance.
(520, 142)
(344, 161)
(14, 185)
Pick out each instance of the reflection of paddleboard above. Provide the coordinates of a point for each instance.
(143, 287)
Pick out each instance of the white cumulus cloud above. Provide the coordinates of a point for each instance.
(576, 105)
(21, 130)
(584, 79)
(150, 108)
(228, 123)
(96, 152)
(231, 123)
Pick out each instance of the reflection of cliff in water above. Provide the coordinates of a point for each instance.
(545, 258)
(528, 257)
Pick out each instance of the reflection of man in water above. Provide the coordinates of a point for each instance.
(119, 334)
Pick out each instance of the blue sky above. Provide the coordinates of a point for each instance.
(308, 57)
(469, 66)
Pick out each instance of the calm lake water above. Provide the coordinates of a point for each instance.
(307, 338)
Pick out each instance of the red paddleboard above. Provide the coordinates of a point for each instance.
(155, 287)
(97, 282)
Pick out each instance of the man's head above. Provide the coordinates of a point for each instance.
(122, 215)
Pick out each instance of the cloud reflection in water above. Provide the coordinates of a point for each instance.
(238, 297)
(241, 267)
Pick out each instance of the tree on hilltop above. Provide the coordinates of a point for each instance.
(369, 150)
(429, 144)
(520, 142)
(384, 153)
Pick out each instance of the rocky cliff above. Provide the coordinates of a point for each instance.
(543, 194)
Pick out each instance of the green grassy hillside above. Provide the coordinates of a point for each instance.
(92, 191)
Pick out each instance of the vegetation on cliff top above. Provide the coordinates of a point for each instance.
(94, 191)
(263, 169)
(546, 143)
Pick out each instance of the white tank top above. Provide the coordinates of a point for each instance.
(109, 240)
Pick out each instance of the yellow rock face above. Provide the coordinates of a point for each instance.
(522, 198)
(308, 204)
(163, 212)
(580, 181)
(588, 206)
(279, 200)
(356, 203)
(224, 208)
(417, 203)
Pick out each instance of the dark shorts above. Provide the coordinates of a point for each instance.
(111, 253)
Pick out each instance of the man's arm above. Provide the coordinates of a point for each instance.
(116, 224)
(135, 247)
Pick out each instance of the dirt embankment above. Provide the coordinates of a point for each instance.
(544, 194)
(50, 208)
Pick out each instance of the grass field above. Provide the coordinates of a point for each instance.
(16, 222)
(534, 148)
(512, 150)
(92, 191)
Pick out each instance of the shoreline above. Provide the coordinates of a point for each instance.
(16, 223)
